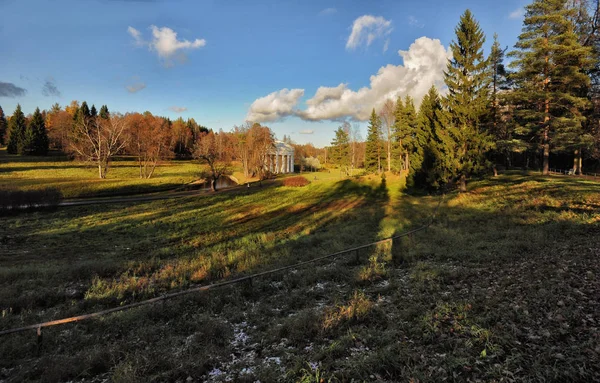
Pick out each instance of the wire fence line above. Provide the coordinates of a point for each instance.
(248, 278)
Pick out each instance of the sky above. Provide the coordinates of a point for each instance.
(300, 67)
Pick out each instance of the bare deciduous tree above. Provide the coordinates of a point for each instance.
(97, 140)
(206, 148)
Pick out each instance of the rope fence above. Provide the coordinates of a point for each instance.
(38, 326)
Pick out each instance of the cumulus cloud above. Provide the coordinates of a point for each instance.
(178, 109)
(165, 43)
(49, 88)
(327, 11)
(133, 88)
(275, 106)
(423, 66)
(516, 14)
(8, 89)
(307, 131)
(366, 29)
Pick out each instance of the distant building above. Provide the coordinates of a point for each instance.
(281, 158)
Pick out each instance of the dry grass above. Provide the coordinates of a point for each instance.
(504, 286)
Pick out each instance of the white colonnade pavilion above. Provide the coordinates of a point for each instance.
(281, 158)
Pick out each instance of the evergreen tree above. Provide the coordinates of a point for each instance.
(36, 137)
(427, 120)
(373, 146)
(494, 119)
(340, 150)
(93, 111)
(84, 110)
(550, 80)
(104, 112)
(3, 127)
(408, 133)
(464, 141)
(398, 149)
(16, 132)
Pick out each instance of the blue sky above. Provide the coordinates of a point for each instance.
(230, 61)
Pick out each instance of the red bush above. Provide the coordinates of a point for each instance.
(295, 181)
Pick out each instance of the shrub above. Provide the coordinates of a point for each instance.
(298, 181)
(16, 200)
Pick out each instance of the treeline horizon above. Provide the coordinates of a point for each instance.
(544, 106)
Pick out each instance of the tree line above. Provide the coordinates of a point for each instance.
(95, 136)
(544, 105)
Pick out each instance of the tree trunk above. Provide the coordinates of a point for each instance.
(495, 170)
(577, 162)
(100, 170)
(213, 184)
(546, 163)
(389, 153)
(462, 183)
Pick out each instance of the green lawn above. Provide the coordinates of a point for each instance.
(79, 179)
(504, 286)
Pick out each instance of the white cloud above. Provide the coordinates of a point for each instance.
(133, 88)
(178, 109)
(516, 14)
(274, 106)
(307, 131)
(137, 35)
(164, 41)
(327, 11)
(423, 66)
(366, 29)
(386, 45)
(414, 22)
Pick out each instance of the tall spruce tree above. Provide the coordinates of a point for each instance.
(408, 131)
(550, 79)
(104, 112)
(16, 132)
(496, 126)
(465, 142)
(3, 127)
(36, 137)
(373, 145)
(427, 120)
(340, 150)
(398, 149)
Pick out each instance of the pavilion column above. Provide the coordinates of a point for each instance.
(286, 163)
(292, 163)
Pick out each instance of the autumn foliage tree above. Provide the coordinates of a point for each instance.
(206, 149)
(98, 139)
(148, 138)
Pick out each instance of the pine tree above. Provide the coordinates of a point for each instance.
(104, 112)
(550, 79)
(3, 127)
(16, 132)
(36, 137)
(409, 136)
(427, 121)
(373, 145)
(464, 143)
(340, 150)
(398, 149)
(498, 82)
(93, 111)
(84, 110)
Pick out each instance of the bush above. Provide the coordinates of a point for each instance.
(16, 200)
(295, 181)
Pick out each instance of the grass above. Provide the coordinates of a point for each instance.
(76, 179)
(504, 286)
